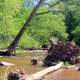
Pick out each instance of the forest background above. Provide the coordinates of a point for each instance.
(55, 19)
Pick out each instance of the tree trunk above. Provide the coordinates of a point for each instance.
(13, 45)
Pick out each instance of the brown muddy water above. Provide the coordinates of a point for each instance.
(21, 62)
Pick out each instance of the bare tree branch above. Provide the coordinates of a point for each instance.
(49, 6)
(53, 11)
(52, 4)
(42, 13)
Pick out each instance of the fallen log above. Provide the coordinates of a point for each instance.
(5, 64)
(42, 73)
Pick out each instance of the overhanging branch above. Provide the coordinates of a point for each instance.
(53, 11)
(15, 42)
(48, 10)
(52, 4)
(42, 13)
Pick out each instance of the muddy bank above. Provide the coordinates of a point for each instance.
(64, 74)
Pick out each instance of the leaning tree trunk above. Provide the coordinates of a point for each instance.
(13, 45)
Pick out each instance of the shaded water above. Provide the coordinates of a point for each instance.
(64, 74)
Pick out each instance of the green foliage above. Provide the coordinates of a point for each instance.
(48, 26)
(13, 15)
(76, 35)
(72, 17)
(27, 41)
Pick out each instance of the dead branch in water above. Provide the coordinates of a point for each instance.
(62, 51)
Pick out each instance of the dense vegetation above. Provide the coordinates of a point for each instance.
(61, 23)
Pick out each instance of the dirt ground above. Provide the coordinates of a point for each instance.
(64, 74)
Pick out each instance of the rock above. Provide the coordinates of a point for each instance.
(34, 61)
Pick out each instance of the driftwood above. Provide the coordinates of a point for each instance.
(46, 71)
(21, 75)
(62, 51)
(2, 63)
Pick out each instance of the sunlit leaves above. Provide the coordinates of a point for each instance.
(45, 26)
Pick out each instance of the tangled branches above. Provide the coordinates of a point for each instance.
(62, 51)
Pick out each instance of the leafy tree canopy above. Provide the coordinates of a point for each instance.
(60, 21)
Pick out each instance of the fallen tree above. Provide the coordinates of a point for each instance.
(62, 51)
(15, 42)
(21, 75)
